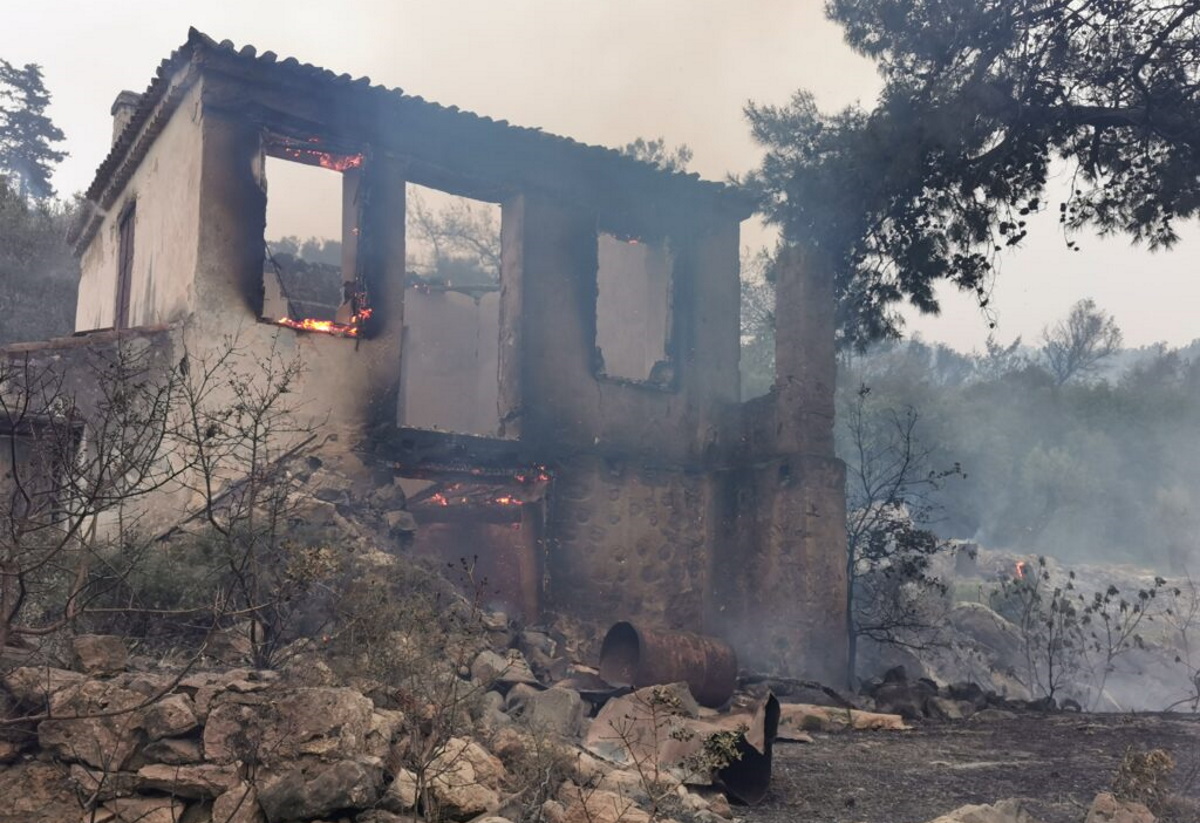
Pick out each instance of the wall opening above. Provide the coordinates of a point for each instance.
(125, 266)
(633, 310)
(312, 278)
(488, 525)
(450, 374)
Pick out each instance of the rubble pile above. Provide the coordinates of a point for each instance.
(107, 741)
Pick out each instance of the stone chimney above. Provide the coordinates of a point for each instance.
(122, 111)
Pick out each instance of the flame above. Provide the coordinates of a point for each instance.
(324, 159)
(507, 500)
(1021, 569)
(351, 329)
(439, 498)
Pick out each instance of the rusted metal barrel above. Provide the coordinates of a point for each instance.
(637, 657)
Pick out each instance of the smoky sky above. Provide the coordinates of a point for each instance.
(598, 71)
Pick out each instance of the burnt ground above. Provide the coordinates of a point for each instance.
(1056, 762)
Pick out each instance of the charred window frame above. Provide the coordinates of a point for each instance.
(351, 316)
(126, 223)
(634, 318)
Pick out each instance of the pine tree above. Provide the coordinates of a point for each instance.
(27, 135)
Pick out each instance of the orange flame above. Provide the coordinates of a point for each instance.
(324, 159)
(351, 329)
(1021, 569)
(439, 498)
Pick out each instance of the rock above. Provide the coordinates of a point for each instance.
(599, 806)
(556, 710)
(906, 698)
(385, 725)
(94, 722)
(466, 779)
(238, 805)
(145, 809)
(173, 752)
(944, 708)
(295, 722)
(553, 811)
(719, 805)
(311, 789)
(401, 522)
(101, 785)
(796, 718)
(401, 793)
(972, 693)
(197, 781)
(10, 750)
(170, 717)
(37, 793)
(33, 685)
(381, 816)
(100, 653)
(1006, 811)
(490, 667)
(1108, 809)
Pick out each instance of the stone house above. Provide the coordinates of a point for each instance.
(591, 449)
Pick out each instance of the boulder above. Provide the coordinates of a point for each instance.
(508, 669)
(100, 654)
(465, 779)
(33, 685)
(555, 710)
(145, 810)
(599, 806)
(292, 723)
(401, 793)
(196, 781)
(173, 716)
(381, 816)
(94, 722)
(945, 708)
(37, 793)
(173, 751)
(1006, 811)
(95, 783)
(1108, 809)
(312, 788)
(907, 698)
(238, 805)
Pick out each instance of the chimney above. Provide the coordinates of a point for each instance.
(122, 111)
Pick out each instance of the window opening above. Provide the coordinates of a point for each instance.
(312, 277)
(633, 310)
(125, 267)
(450, 374)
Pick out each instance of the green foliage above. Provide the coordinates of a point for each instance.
(656, 153)
(26, 133)
(1106, 468)
(890, 486)
(757, 323)
(38, 273)
(979, 98)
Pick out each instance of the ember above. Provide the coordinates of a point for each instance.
(351, 329)
(324, 159)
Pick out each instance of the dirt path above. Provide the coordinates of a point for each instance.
(1057, 762)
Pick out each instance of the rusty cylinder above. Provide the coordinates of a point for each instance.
(637, 657)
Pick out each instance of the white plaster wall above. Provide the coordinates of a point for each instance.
(166, 187)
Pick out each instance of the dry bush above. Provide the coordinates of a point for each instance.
(1148, 778)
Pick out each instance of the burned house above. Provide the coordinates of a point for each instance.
(575, 421)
